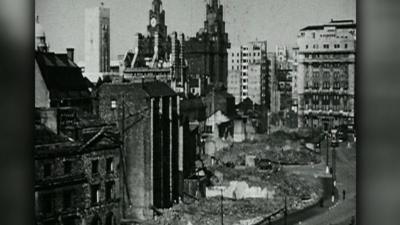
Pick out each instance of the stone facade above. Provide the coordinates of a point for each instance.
(207, 52)
(76, 182)
(157, 56)
(325, 79)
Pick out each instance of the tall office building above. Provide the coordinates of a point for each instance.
(325, 74)
(97, 42)
(251, 63)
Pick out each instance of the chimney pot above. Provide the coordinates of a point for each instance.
(70, 54)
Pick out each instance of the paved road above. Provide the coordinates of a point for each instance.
(339, 213)
(343, 210)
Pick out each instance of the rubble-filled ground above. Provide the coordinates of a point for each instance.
(300, 193)
(281, 147)
(229, 165)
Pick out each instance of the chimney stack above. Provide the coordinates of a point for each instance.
(70, 54)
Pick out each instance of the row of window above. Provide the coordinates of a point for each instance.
(327, 85)
(326, 46)
(48, 200)
(326, 107)
(326, 56)
(326, 98)
(95, 194)
(326, 75)
(48, 168)
(247, 54)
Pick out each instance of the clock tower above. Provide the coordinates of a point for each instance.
(157, 20)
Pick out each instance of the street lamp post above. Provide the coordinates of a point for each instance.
(327, 153)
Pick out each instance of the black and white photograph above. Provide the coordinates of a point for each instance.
(195, 112)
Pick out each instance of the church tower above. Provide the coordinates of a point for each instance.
(214, 23)
(157, 21)
(214, 26)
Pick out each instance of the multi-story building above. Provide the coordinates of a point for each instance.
(251, 80)
(97, 42)
(207, 52)
(234, 73)
(273, 83)
(294, 63)
(325, 79)
(76, 178)
(148, 116)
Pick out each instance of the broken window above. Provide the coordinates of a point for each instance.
(47, 169)
(67, 199)
(67, 167)
(95, 166)
(110, 165)
(95, 194)
(109, 190)
(47, 203)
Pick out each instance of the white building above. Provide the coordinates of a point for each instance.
(97, 42)
(325, 74)
(248, 72)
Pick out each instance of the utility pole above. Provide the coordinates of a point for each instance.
(123, 151)
(285, 211)
(222, 207)
(334, 166)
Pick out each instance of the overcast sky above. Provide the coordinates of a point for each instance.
(276, 21)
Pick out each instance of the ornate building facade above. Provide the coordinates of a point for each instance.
(206, 53)
(158, 55)
(325, 74)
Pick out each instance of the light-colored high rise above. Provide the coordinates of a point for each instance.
(325, 74)
(234, 73)
(251, 60)
(97, 42)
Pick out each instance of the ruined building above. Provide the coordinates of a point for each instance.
(157, 56)
(148, 116)
(207, 52)
(76, 177)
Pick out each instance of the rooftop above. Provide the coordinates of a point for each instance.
(62, 76)
(341, 24)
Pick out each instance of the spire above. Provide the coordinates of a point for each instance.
(214, 3)
(157, 5)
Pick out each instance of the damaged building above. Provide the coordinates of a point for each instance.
(148, 116)
(76, 178)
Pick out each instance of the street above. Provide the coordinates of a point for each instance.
(342, 211)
